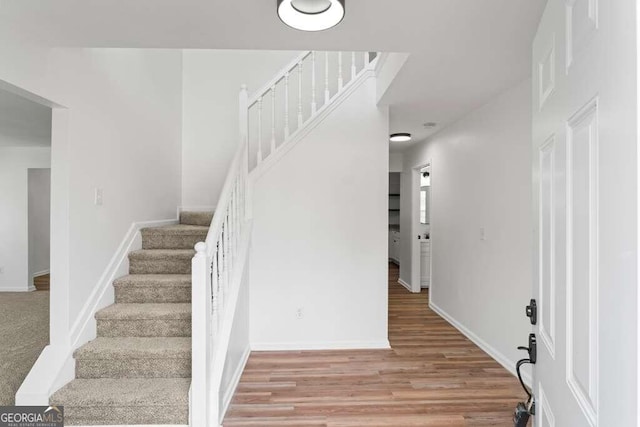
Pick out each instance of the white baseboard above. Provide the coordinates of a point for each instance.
(50, 372)
(40, 273)
(322, 345)
(233, 384)
(84, 328)
(17, 288)
(508, 364)
(405, 284)
(198, 208)
(56, 366)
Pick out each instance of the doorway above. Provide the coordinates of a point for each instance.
(35, 318)
(25, 170)
(39, 220)
(421, 246)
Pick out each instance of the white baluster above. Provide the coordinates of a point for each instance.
(353, 65)
(236, 213)
(340, 79)
(229, 235)
(273, 119)
(221, 273)
(215, 291)
(232, 249)
(300, 120)
(366, 60)
(327, 94)
(286, 105)
(227, 254)
(314, 105)
(259, 153)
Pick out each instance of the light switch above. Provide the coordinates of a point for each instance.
(483, 234)
(98, 197)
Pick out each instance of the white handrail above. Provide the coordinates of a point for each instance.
(306, 87)
(278, 77)
(215, 277)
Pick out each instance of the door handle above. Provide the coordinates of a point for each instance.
(532, 349)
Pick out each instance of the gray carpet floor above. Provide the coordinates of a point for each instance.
(24, 332)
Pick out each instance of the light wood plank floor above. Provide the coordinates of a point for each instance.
(42, 283)
(433, 376)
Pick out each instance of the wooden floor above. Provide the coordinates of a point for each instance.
(42, 282)
(433, 376)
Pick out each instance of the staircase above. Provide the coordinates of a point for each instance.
(138, 369)
(150, 363)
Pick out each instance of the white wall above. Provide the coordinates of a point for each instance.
(239, 346)
(320, 235)
(23, 123)
(14, 228)
(481, 178)
(39, 183)
(396, 162)
(211, 81)
(121, 133)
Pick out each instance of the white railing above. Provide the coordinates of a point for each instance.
(214, 278)
(218, 268)
(297, 87)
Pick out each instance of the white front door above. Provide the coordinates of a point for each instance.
(585, 208)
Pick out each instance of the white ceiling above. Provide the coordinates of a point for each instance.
(23, 123)
(463, 52)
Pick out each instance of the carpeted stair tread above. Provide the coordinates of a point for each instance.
(127, 391)
(161, 261)
(138, 369)
(178, 236)
(125, 401)
(155, 280)
(196, 218)
(177, 229)
(162, 254)
(135, 348)
(153, 288)
(145, 311)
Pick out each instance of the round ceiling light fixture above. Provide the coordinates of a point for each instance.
(311, 15)
(400, 137)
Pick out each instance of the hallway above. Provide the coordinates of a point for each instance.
(432, 376)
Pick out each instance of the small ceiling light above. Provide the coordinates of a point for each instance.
(311, 15)
(400, 137)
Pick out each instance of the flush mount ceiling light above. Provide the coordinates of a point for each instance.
(311, 15)
(400, 137)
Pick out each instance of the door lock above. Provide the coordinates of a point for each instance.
(532, 312)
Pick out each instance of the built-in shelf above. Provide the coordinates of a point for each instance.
(394, 210)
(394, 195)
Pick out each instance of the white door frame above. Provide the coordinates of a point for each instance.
(415, 228)
(59, 326)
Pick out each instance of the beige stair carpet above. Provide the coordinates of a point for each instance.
(138, 369)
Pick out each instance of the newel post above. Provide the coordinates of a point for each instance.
(199, 337)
